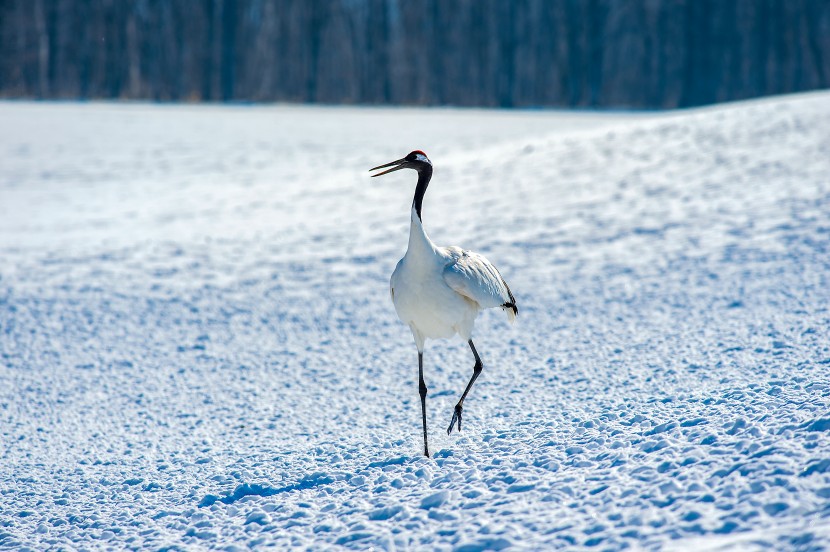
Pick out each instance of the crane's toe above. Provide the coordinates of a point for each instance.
(455, 416)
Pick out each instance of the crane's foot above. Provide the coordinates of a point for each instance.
(455, 416)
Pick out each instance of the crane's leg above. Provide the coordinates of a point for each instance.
(422, 389)
(476, 371)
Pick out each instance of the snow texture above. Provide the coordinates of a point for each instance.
(199, 350)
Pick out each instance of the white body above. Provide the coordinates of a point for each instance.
(438, 291)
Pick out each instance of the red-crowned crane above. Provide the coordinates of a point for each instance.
(438, 291)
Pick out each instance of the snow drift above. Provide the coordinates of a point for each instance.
(198, 347)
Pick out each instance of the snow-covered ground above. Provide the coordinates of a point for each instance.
(198, 349)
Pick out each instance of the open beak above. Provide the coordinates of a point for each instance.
(396, 166)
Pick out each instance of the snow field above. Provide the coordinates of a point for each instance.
(198, 349)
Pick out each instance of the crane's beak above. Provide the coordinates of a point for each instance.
(396, 166)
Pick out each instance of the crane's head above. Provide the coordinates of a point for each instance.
(417, 160)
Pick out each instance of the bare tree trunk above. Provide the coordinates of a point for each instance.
(43, 49)
(216, 50)
(133, 57)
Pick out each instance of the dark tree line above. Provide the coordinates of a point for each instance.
(613, 53)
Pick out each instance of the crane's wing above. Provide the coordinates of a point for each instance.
(477, 279)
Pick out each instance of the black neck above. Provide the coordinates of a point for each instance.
(424, 176)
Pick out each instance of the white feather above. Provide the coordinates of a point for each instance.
(438, 291)
(474, 277)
